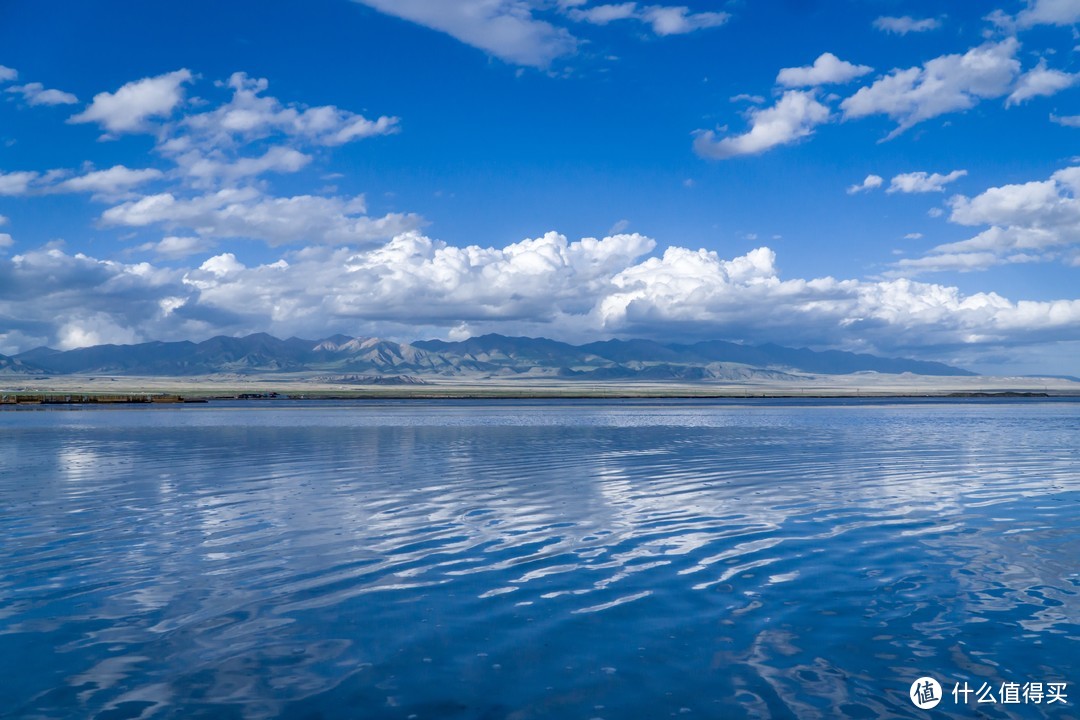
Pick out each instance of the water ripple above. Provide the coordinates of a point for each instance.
(491, 560)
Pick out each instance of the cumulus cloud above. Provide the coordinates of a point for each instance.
(212, 148)
(249, 213)
(17, 183)
(906, 24)
(945, 84)
(6, 241)
(870, 183)
(113, 181)
(794, 116)
(206, 170)
(250, 115)
(47, 295)
(208, 197)
(827, 69)
(506, 29)
(923, 182)
(8, 74)
(1040, 82)
(37, 94)
(584, 289)
(1027, 222)
(679, 20)
(128, 109)
(105, 183)
(175, 248)
(1049, 12)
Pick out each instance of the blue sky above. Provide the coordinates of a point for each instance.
(872, 175)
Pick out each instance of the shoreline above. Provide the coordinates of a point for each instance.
(181, 391)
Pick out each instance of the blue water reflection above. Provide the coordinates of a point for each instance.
(528, 560)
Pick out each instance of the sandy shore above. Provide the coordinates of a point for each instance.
(293, 386)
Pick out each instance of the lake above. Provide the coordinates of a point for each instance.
(566, 559)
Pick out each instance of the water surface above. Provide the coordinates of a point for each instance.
(498, 559)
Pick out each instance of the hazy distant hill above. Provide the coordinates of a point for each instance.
(487, 355)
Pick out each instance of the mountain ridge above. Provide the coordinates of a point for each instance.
(485, 355)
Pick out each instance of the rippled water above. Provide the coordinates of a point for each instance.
(527, 560)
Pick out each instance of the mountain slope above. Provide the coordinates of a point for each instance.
(541, 351)
(14, 366)
(504, 351)
(486, 355)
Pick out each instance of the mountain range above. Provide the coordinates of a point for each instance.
(484, 356)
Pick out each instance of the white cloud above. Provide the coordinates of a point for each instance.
(47, 294)
(827, 69)
(250, 115)
(604, 14)
(93, 329)
(16, 183)
(923, 182)
(1049, 12)
(1066, 121)
(8, 74)
(128, 109)
(205, 170)
(248, 213)
(110, 182)
(913, 236)
(1028, 222)
(870, 183)
(679, 20)
(210, 151)
(6, 241)
(1040, 82)
(794, 116)
(946, 262)
(36, 94)
(664, 20)
(948, 83)
(219, 266)
(115, 180)
(413, 285)
(506, 29)
(906, 24)
(175, 248)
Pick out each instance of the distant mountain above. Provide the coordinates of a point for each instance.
(14, 366)
(484, 356)
(259, 353)
(32, 356)
(510, 351)
(541, 351)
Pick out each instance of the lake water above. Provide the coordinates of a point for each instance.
(538, 560)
